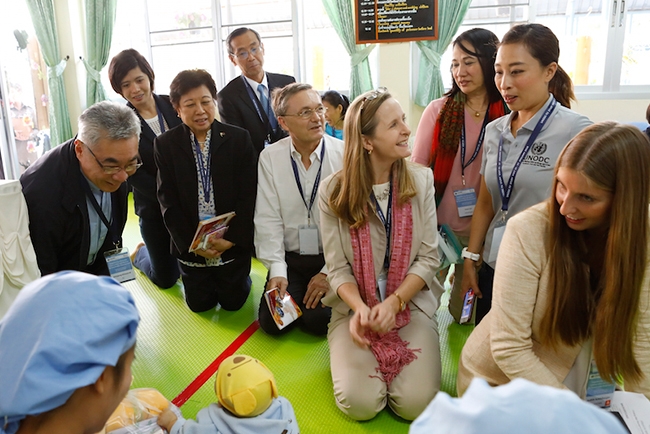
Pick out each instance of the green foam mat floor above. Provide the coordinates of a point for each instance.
(175, 345)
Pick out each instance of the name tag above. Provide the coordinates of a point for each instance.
(599, 391)
(308, 237)
(497, 236)
(382, 280)
(119, 265)
(465, 201)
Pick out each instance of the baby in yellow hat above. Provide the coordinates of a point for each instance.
(248, 404)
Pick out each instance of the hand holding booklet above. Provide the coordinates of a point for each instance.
(284, 310)
(212, 228)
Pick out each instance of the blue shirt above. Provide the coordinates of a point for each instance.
(333, 131)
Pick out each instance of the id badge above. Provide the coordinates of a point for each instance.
(308, 237)
(465, 201)
(497, 236)
(382, 280)
(599, 391)
(119, 265)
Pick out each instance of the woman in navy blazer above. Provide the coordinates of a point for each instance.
(132, 77)
(205, 169)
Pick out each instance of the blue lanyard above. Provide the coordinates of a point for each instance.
(314, 190)
(113, 233)
(463, 146)
(161, 120)
(387, 221)
(204, 170)
(507, 193)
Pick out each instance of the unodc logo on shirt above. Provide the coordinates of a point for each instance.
(537, 157)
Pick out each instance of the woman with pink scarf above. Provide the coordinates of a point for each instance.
(378, 224)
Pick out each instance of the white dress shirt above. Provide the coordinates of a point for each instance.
(279, 210)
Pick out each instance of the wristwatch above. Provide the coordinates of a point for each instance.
(469, 255)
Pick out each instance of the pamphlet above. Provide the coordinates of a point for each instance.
(212, 228)
(449, 247)
(283, 310)
(633, 409)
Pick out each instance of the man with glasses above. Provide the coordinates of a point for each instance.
(76, 195)
(287, 235)
(245, 101)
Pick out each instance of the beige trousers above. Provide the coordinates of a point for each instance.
(358, 391)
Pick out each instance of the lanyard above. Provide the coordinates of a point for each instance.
(463, 146)
(386, 221)
(161, 120)
(257, 103)
(314, 190)
(112, 233)
(507, 193)
(204, 169)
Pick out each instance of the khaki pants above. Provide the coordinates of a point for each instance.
(358, 390)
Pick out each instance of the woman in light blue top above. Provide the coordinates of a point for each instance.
(336, 105)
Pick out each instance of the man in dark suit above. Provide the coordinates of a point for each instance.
(76, 194)
(245, 101)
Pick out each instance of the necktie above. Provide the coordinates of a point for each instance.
(267, 107)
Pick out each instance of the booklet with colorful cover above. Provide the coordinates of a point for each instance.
(283, 310)
(214, 227)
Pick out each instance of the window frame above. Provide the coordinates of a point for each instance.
(611, 87)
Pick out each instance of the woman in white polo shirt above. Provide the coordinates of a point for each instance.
(520, 149)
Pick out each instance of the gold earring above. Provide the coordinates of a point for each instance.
(369, 151)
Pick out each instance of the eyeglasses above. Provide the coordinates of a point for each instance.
(372, 95)
(307, 113)
(112, 170)
(243, 55)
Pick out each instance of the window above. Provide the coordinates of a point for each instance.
(24, 122)
(603, 43)
(298, 38)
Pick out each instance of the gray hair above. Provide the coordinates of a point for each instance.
(107, 120)
(281, 96)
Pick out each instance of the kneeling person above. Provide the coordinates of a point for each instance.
(287, 237)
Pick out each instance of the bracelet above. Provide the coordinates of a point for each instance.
(402, 305)
(469, 255)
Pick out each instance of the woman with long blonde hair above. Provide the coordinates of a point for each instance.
(378, 223)
(572, 285)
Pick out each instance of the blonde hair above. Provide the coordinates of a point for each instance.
(353, 184)
(615, 158)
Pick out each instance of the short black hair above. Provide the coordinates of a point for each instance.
(123, 63)
(190, 79)
(238, 32)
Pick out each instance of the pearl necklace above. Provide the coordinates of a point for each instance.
(477, 113)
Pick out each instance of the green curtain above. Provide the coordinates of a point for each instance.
(42, 13)
(100, 20)
(450, 17)
(341, 15)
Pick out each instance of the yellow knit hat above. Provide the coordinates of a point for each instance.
(245, 386)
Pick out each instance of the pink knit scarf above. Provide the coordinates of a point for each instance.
(391, 352)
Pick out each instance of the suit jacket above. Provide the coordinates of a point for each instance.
(424, 258)
(506, 344)
(58, 213)
(234, 182)
(237, 108)
(144, 180)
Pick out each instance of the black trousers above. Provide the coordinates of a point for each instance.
(485, 281)
(300, 270)
(155, 259)
(227, 285)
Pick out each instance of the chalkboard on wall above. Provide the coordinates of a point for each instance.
(380, 21)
